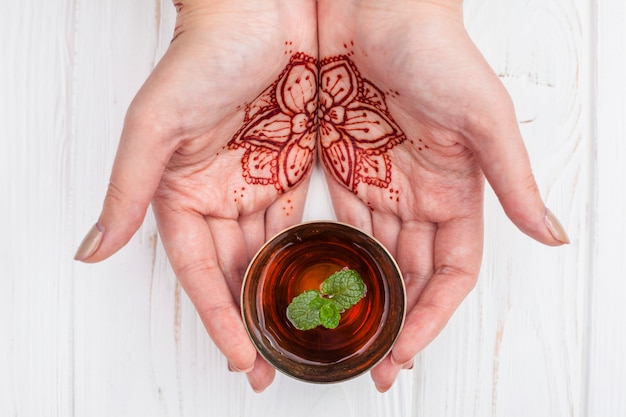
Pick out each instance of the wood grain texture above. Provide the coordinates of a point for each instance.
(607, 343)
(539, 335)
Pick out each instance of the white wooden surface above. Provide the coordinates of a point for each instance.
(542, 334)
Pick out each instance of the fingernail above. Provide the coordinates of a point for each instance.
(554, 226)
(90, 243)
(408, 365)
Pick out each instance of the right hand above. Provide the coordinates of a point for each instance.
(218, 187)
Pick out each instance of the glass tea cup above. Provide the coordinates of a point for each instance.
(300, 258)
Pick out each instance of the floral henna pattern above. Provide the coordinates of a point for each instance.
(356, 130)
(279, 130)
(280, 127)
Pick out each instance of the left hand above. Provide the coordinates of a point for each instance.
(412, 116)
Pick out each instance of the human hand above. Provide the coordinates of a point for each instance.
(221, 139)
(412, 117)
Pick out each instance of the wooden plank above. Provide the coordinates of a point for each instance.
(607, 342)
(36, 292)
(116, 46)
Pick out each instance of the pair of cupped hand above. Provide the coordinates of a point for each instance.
(393, 98)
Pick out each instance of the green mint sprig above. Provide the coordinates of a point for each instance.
(338, 292)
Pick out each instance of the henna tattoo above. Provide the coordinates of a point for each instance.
(279, 128)
(281, 125)
(239, 194)
(288, 208)
(356, 129)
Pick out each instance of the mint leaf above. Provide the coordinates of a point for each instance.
(329, 314)
(303, 311)
(345, 288)
(313, 308)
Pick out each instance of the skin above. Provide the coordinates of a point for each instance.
(174, 153)
(460, 126)
(182, 149)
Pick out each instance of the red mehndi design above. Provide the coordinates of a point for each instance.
(281, 125)
(279, 129)
(356, 130)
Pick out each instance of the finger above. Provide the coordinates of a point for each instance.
(286, 211)
(253, 230)
(495, 139)
(348, 207)
(141, 158)
(190, 248)
(261, 376)
(457, 256)
(386, 228)
(384, 374)
(416, 245)
(231, 252)
(415, 259)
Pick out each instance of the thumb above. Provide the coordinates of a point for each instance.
(137, 170)
(497, 143)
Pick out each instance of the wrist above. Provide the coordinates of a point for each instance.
(197, 14)
(453, 8)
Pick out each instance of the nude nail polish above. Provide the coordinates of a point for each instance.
(554, 226)
(90, 243)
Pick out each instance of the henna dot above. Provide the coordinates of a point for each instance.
(419, 149)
